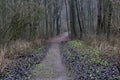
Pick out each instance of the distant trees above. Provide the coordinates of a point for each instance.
(72, 19)
(73, 7)
(31, 19)
(53, 16)
(89, 17)
(104, 17)
(115, 17)
(21, 22)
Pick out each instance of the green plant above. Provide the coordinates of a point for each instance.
(97, 72)
(90, 54)
(75, 44)
(98, 60)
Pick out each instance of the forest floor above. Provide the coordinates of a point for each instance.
(58, 60)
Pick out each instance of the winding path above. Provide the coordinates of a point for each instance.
(52, 68)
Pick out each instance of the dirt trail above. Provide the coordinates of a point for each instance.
(51, 68)
(60, 38)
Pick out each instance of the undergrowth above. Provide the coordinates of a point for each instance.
(16, 49)
(87, 53)
(109, 49)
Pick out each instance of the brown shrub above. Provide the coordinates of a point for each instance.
(13, 50)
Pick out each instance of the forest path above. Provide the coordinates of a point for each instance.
(51, 68)
(60, 38)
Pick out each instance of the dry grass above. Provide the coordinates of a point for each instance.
(3, 62)
(15, 49)
(109, 49)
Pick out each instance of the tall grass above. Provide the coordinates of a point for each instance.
(15, 49)
(109, 49)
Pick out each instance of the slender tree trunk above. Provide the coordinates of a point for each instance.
(72, 19)
(109, 19)
(99, 16)
(78, 17)
(67, 17)
(46, 18)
